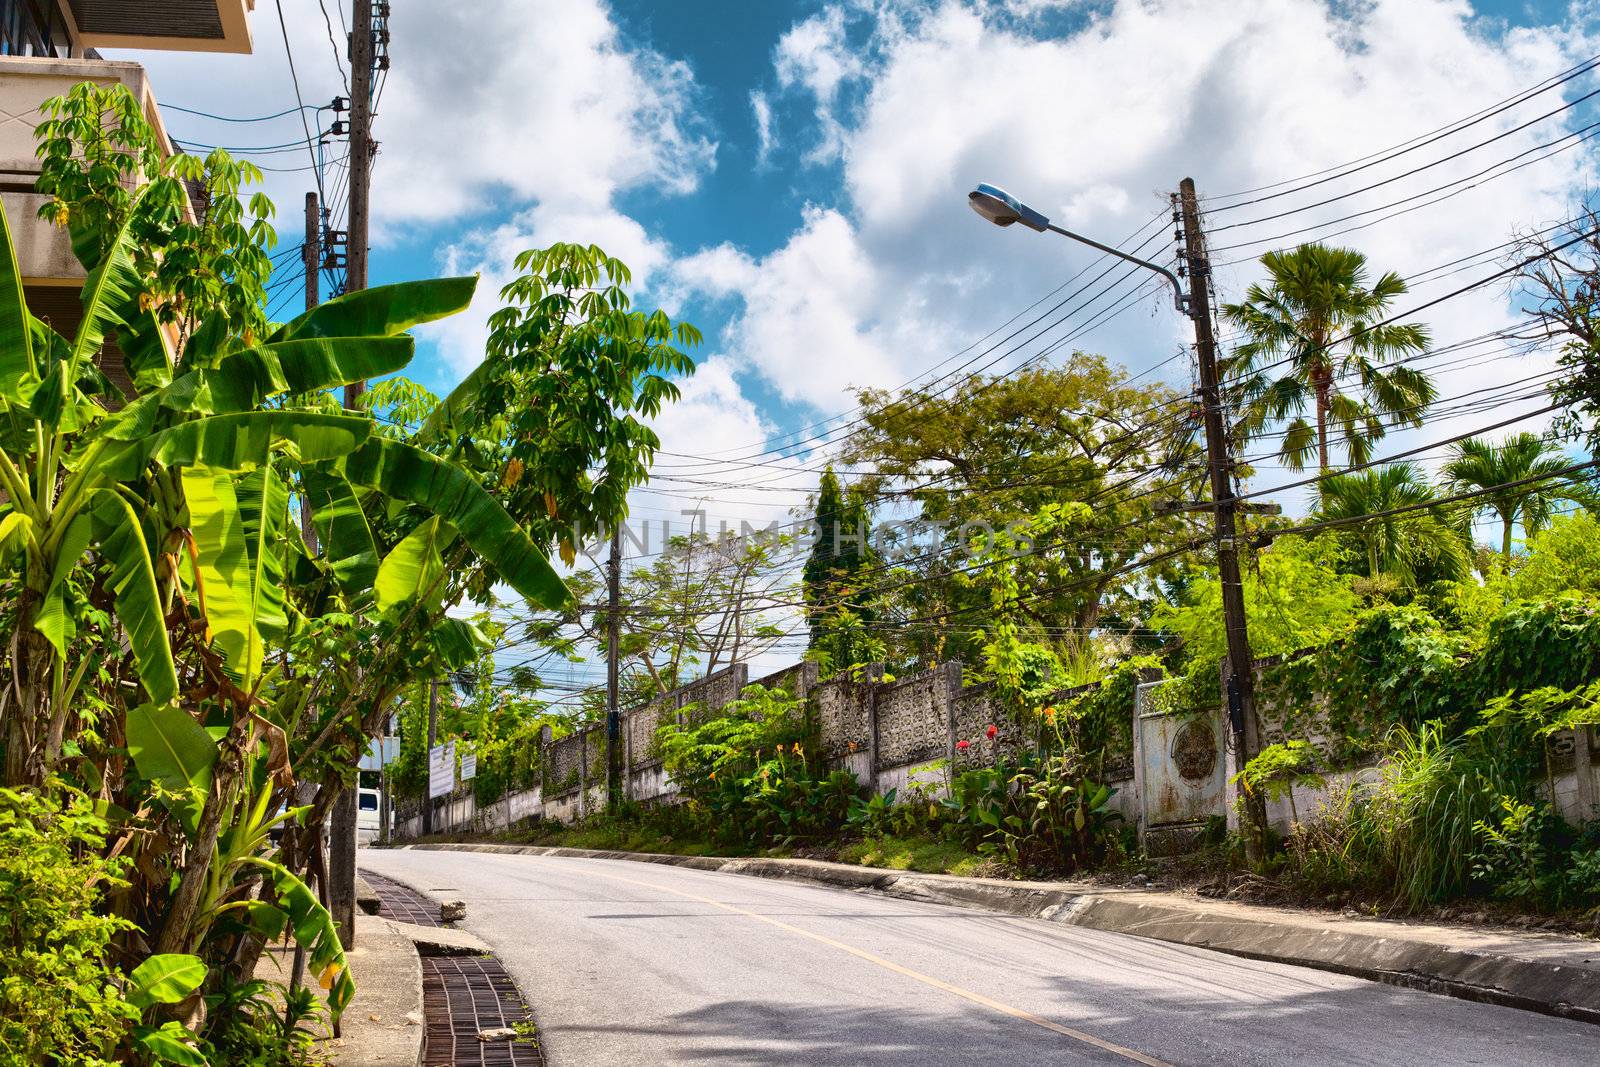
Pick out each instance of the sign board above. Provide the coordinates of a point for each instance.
(441, 769)
(382, 752)
(469, 764)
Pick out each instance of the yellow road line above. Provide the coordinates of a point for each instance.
(925, 979)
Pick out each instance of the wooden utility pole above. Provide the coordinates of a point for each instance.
(433, 737)
(360, 164)
(1240, 668)
(613, 675)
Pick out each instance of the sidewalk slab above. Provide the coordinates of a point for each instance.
(1550, 973)
(382, 1025)
(440, 940)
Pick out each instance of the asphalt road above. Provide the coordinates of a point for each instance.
(636, 964)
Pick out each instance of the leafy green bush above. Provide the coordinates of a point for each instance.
(1564, 557)
(1040, 814)
(1278, 768)
(60, 999)
(1531, 644)
(753, 774)
(1397, 665)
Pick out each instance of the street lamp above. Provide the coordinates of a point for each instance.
(1003, 209)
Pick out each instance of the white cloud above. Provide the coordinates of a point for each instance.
(1094, 128)
(815, 55)
(540, 100)
(766, 135)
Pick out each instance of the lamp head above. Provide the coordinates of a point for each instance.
(1002, 209)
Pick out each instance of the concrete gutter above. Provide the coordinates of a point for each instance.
(1552, 974)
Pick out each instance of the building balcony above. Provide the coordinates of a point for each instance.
(184, 25)
(52, 277)
(44, 252)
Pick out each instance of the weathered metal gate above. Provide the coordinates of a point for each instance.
(1179, 769)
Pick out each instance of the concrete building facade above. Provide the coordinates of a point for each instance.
(48, 46)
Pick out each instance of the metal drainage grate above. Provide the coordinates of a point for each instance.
(401, 902)
(462, 995)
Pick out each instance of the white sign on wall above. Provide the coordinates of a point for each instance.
(441, 769)
(469, 764)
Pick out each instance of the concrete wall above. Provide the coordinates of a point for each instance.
(892, 734)
(889, 733)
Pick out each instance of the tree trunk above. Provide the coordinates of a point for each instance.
(1322, 381)
(1505, 539)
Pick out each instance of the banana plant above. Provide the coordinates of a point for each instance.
(174, 512)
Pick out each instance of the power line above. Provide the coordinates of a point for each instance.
(1398, 177)
(229, 118)
(1404, 147)
(294, 76)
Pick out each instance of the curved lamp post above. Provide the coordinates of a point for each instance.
(1003, 209)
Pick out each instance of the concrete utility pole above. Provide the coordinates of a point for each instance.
(1240, 672)
(311, 251)
(433, 734)
(342, 863)
(311, 256)
(613, 694)
(342, 833)
(361, 53)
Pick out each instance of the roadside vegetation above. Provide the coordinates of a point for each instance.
(218, 585)
(1421, 685)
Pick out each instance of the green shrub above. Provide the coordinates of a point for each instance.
(1040, 814)
(60, 999)
(752, 775)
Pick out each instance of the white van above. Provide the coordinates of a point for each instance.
(368, 799)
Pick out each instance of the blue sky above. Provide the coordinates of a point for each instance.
(839, 253)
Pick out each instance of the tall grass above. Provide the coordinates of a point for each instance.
(1413, 834)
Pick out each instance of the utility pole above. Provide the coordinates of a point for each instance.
(342, 832)
(345, 814)
(1240, 668)
(311, 251)
(360, 165)
(433, 735)
(613, 695)
(311, 256)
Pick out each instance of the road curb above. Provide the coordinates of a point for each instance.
(1552, 975)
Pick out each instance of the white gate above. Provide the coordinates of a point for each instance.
(1179, 767)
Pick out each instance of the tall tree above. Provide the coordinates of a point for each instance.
(1560, 272)
(1410, 546)
(1477, 464)
(987, 452)
(839, 610)
(1308, 331)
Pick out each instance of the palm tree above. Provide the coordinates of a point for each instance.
(1479, 465)
(1312, 325)
(1398, 545)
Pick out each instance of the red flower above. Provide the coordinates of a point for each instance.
(990, 733)
(963, 745)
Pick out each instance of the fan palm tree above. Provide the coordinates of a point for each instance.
(1308, 331)
(1398, 545)
(1481, 465)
